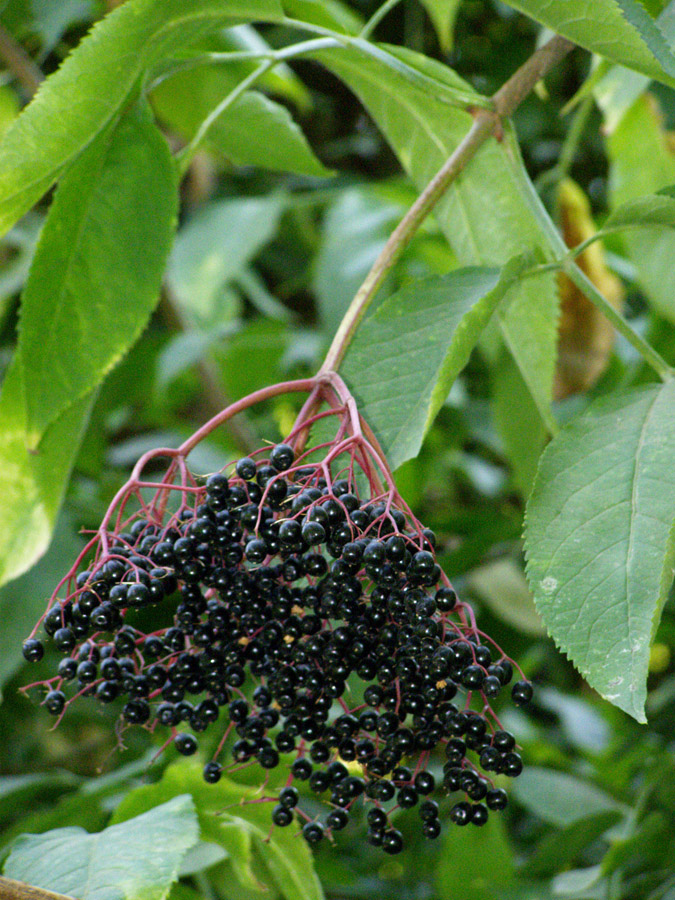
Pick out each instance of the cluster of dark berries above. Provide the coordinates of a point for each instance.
(310, 624)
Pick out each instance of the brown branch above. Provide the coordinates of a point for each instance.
(486, 123)
(19, 890)
(19, 63)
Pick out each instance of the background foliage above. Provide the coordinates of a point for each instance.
(157, 291)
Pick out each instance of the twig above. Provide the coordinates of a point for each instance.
(19, 890)
(19, 63)
(486, 122)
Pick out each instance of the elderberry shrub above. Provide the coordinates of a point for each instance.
(283, 585)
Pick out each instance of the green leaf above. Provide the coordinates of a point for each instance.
(485, 215)
(355, 230)
(563, 846)
(443, 14)
(502, 585)
(616, 29)
(262, 340)
(598, 538)
(32, 484)
(650, 33)
(241, 827)
(79, 100)
(561, 799)
(326, 13)
(138, 860)
(19, 244)
(280, 81)
(21, 792)
(654, 209)
(517, 420)
(475, 864)
(98, 267)
(254, 130)
(404, 358)
(634, 174)
(578, 883)
(213, 247)
(24, 601)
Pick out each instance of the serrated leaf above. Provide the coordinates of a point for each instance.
(212, 247)
(484, 215)
(443, 14)
(32, 484)
(403, 359)
(254, 130)
(138, 860)
(241, 827)
(98, 267)
(79, 100)
(654, 209)
(615, 29)
(598, 538)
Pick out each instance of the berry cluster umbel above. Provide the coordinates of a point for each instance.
(310, 623)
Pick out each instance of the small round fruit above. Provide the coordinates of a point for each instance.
(185, 744)
(33, 650)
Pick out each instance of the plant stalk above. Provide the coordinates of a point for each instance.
(486, 123)
(646, 351)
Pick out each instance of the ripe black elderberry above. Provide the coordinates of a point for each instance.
(287, 583)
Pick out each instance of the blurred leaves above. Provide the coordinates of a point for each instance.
(634, 177)
(213, 247)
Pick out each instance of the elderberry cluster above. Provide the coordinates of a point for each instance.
(311, 624)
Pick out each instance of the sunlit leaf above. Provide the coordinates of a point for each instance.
(598, 538)
(137, 860)
(81, 98)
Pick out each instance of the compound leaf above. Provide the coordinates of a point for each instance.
(598, 538)
(79, 100)
(484, 215)
(620, 30)
(137, 860)
(98, 267)
(253, 131)
(404, 358)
